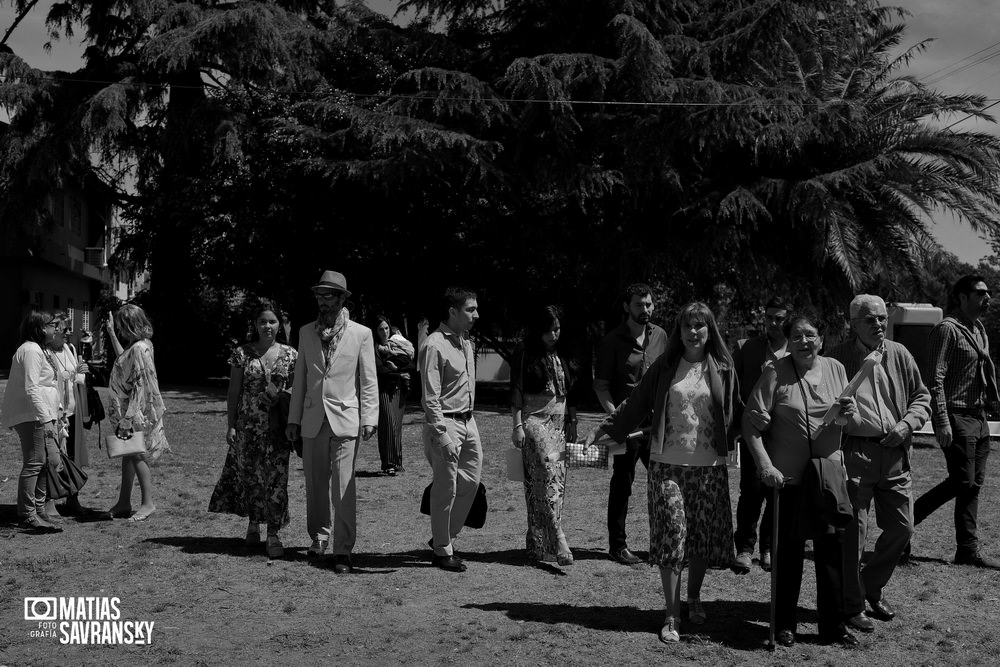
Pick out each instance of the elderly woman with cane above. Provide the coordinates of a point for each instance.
(792, 398)
(693, 395)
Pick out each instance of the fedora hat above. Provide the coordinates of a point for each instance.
(332, 280)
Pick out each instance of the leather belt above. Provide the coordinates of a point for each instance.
(877, 439)
(459, 416)
(967, 412)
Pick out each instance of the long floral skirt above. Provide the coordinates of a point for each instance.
(689, 515)
(254, 480)
(544, 486)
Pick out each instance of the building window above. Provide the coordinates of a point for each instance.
(59, 208)
(37, 303)
(72, 313)
(85, 315)
(76, 216)
(55, 302)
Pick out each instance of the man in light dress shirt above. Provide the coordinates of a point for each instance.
(334, 401)
(451, 438)
(892, 403)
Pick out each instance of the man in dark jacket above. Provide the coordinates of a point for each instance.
(750, 360)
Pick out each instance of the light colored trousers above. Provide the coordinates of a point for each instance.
(455, 483)
(881, 475)
(324, 458)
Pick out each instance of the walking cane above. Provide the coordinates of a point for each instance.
(774, 568)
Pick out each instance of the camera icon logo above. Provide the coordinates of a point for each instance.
(41, 609)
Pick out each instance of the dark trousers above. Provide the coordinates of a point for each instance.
(753, 494)
(966, 461)
(391, 405)
(622, 476)
(828, 558)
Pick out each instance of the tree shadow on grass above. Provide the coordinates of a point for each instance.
(736, 624)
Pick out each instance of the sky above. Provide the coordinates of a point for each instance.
(950, 62)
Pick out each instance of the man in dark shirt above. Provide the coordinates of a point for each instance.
(622, 357)
(750, 360)
(962, 384)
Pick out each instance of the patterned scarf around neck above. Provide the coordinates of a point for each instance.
(555, 373)
(331, 335)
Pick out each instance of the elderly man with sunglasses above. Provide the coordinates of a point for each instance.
(892, 403)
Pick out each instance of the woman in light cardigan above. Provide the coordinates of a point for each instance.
(31, 408)
(693, 395)
(73, 398)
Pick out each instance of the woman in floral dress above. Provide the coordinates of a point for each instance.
(544, 419)
(136, 405)
(254, 480)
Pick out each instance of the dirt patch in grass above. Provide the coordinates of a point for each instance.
(216, 602)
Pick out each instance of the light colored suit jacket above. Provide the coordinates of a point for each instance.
(346, 393)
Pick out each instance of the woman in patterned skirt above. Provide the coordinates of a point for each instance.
(693, 394)
(541, 381)
(134, 405)
(254, 480)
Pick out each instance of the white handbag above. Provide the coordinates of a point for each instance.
(118, 448)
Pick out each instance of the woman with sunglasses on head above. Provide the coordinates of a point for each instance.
(788, 405)
(31, 409)
(136, 405)
(70, 371)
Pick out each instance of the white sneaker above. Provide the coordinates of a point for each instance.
(696, 612)
(668, 633)
(317, 548)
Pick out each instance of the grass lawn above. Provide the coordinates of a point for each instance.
(216, 602)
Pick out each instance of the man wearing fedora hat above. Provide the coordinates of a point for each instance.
(334, 401)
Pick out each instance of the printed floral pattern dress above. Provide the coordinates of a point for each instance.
(544, 467)
(135, 402)
(254, 480)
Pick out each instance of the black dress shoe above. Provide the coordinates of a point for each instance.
(785, 638)
(977, 560)
(860, 622)
(846, 640)
(881, 610)
(342, 564)
(625, 557)
(450, 563)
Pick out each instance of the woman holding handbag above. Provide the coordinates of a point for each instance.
(254, 480)
(544, 419)
(31, 409)
(792, 397)
(70, 371)
(135, 406)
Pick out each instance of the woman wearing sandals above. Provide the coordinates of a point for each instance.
(693, 394)
(544, 417)
(135, 405)
(31, 409)
(254, 480)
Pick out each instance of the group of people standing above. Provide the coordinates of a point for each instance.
(826, 437)
(45, 404)
(823, 438)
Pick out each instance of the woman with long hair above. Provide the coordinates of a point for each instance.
(254, 480)
(693, 395)
(544, 418)
(135, 405)
(31, 409)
